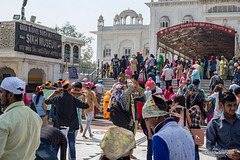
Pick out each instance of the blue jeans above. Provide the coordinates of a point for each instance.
(71, 142)
(163, 84)
(89, 117)
(46, 152)
(79, 111)
(115, 71)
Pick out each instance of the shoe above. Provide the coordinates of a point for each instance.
(91, 135)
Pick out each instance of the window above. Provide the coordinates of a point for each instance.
(221, 9)
(188, 19)
(127, 51)
(164, 22)
(107, 53)
(146, 51)
(67, 53)
(75, 54)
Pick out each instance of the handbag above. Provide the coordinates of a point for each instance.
(198, 135)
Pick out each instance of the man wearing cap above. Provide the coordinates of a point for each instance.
(100, 90)
(20, 126)
(168, 74)
(170, 141)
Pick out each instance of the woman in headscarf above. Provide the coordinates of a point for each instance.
(169, 93)
(205, 68)
(195, 75)
(231, 69)
(106, 100)
(212, 64)
(150, 83)
(223, 68)
(133, 63)
(160, 63)
(122, 74)
(129, 72)
(184, 81)
(179, 73)
(132, 92)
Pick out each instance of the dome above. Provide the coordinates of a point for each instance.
(100, 17)
(117, 16)
(188, 18)
(164, 19)
(128, 12)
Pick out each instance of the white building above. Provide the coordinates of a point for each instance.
(35, 53)
(163, 14)
(127, 35)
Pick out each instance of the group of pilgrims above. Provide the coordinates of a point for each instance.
(143, 98)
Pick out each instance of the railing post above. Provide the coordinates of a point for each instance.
(102, 68)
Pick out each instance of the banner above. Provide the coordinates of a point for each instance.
(72, 73)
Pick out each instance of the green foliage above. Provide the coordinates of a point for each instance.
(87, 51)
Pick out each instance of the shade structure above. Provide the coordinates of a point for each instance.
(199, 39)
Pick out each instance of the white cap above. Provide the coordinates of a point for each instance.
(14, 85)
(158, 90)
(119, 86)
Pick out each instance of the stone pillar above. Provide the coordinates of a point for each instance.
(71, 54)
(25, 72)
(131, 21)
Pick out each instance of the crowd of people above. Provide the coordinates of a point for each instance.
(142, 96)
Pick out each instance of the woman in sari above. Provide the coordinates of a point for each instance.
(223, 66)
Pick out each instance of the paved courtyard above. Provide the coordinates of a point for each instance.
(89, 149)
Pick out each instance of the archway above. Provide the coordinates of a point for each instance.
(198, 39)
(6, 72)
(36, 77)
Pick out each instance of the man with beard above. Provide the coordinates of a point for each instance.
(20, 126)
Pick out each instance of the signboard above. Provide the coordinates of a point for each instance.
(72, 73)
(196, 24)
(36, 41)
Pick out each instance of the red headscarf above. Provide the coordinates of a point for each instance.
(212, 58)
(168, 93)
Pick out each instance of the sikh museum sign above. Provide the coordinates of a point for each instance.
(29, 51)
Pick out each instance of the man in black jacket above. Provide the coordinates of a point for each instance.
(51, 140)
(66, 113)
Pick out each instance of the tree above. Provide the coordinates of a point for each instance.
(87, 51)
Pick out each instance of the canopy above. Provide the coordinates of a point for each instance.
(198, 39)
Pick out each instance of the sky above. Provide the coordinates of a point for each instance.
(81, 13)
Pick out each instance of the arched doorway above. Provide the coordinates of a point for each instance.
(6, 72)
(36, 77)
(198, 39)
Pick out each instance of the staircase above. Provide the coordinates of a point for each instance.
(108, 83)
(205, 85)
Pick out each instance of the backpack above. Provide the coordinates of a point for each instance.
(118, 116)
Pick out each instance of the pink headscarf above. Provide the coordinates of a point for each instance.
(26, 99)
(150, 83)
(128, 71)
(90, 84)
(85, 80)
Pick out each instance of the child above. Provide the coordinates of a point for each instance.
(111, 71)
(158, 76)
(237, 76)
(106, 100)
